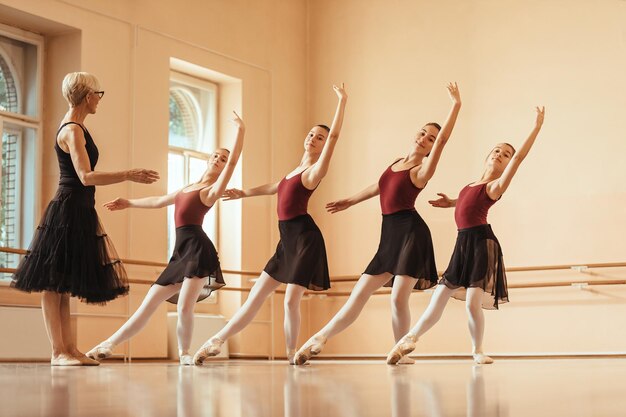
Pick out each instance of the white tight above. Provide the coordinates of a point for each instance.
(262, 289)
(293, 296)
(362, 291)
(476, 318)
(187, 300)
(189, 291)
(400, 311)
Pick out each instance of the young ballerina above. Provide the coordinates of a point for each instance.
(300, 258)
(405, 258)
(70, 254)
(476, 269)
(194, 268)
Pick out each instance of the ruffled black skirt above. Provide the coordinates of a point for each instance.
(300, 256)
(70, 252)
(194, 257)
(477, 263)
(405, 248)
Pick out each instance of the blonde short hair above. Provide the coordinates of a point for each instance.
(76, 86)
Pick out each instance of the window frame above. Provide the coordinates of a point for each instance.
(206, 129)
(35, 154)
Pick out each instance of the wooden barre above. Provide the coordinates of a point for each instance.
(548, 284)
(354, 278)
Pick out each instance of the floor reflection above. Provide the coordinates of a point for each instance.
(56, 395)
(307, 391)
(323, 389)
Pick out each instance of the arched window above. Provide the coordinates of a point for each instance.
(20, 127)
(8, 91)
(185, 123)
(192, 138)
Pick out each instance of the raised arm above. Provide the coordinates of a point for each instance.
(146, 202)
(443, 201)
(320, 168)
(427, 170)
(74, 137)
(219, 187)
(339, 205)
(496, 188)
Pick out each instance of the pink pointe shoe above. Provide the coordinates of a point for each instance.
(211, 347)
(312, 347)
(404, 346)
(482, 359)
(102, 351)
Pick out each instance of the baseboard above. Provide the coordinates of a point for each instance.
(558, 355)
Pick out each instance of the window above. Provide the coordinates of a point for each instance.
(192, 138)
(20, 126)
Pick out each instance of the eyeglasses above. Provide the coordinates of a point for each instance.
(99, 93)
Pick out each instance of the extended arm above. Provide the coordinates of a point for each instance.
(367, 193)
(73, 137)
(443, 201)
(266, 189)
(146, 202)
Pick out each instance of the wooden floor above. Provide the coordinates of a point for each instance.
(543, 387)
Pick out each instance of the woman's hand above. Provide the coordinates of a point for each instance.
(341, 92)
(117, 204)
(443, 201)
(144, 176)
(541, 112)
(453, 91)
(238, 122)
(233, 194)
(339, 205)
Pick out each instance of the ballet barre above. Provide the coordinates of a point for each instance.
(583, 268)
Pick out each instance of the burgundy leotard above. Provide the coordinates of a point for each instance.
(397, 191)
(472, 206)
(293, 197)
(189, 208)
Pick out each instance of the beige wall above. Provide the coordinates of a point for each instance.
(507, 57)
(278, 60)
(566, 204)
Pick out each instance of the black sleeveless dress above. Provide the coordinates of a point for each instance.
(70, 252)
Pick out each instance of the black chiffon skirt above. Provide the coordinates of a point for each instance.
(477, 262)
(300, 256)
(405, 248)
(70, 253)
(194, 257)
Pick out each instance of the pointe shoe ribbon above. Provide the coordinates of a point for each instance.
(312, 347)
(404, 346)
(102, 351)
(211, 347)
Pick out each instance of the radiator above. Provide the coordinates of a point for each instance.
(204, 326)
(23, 334)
